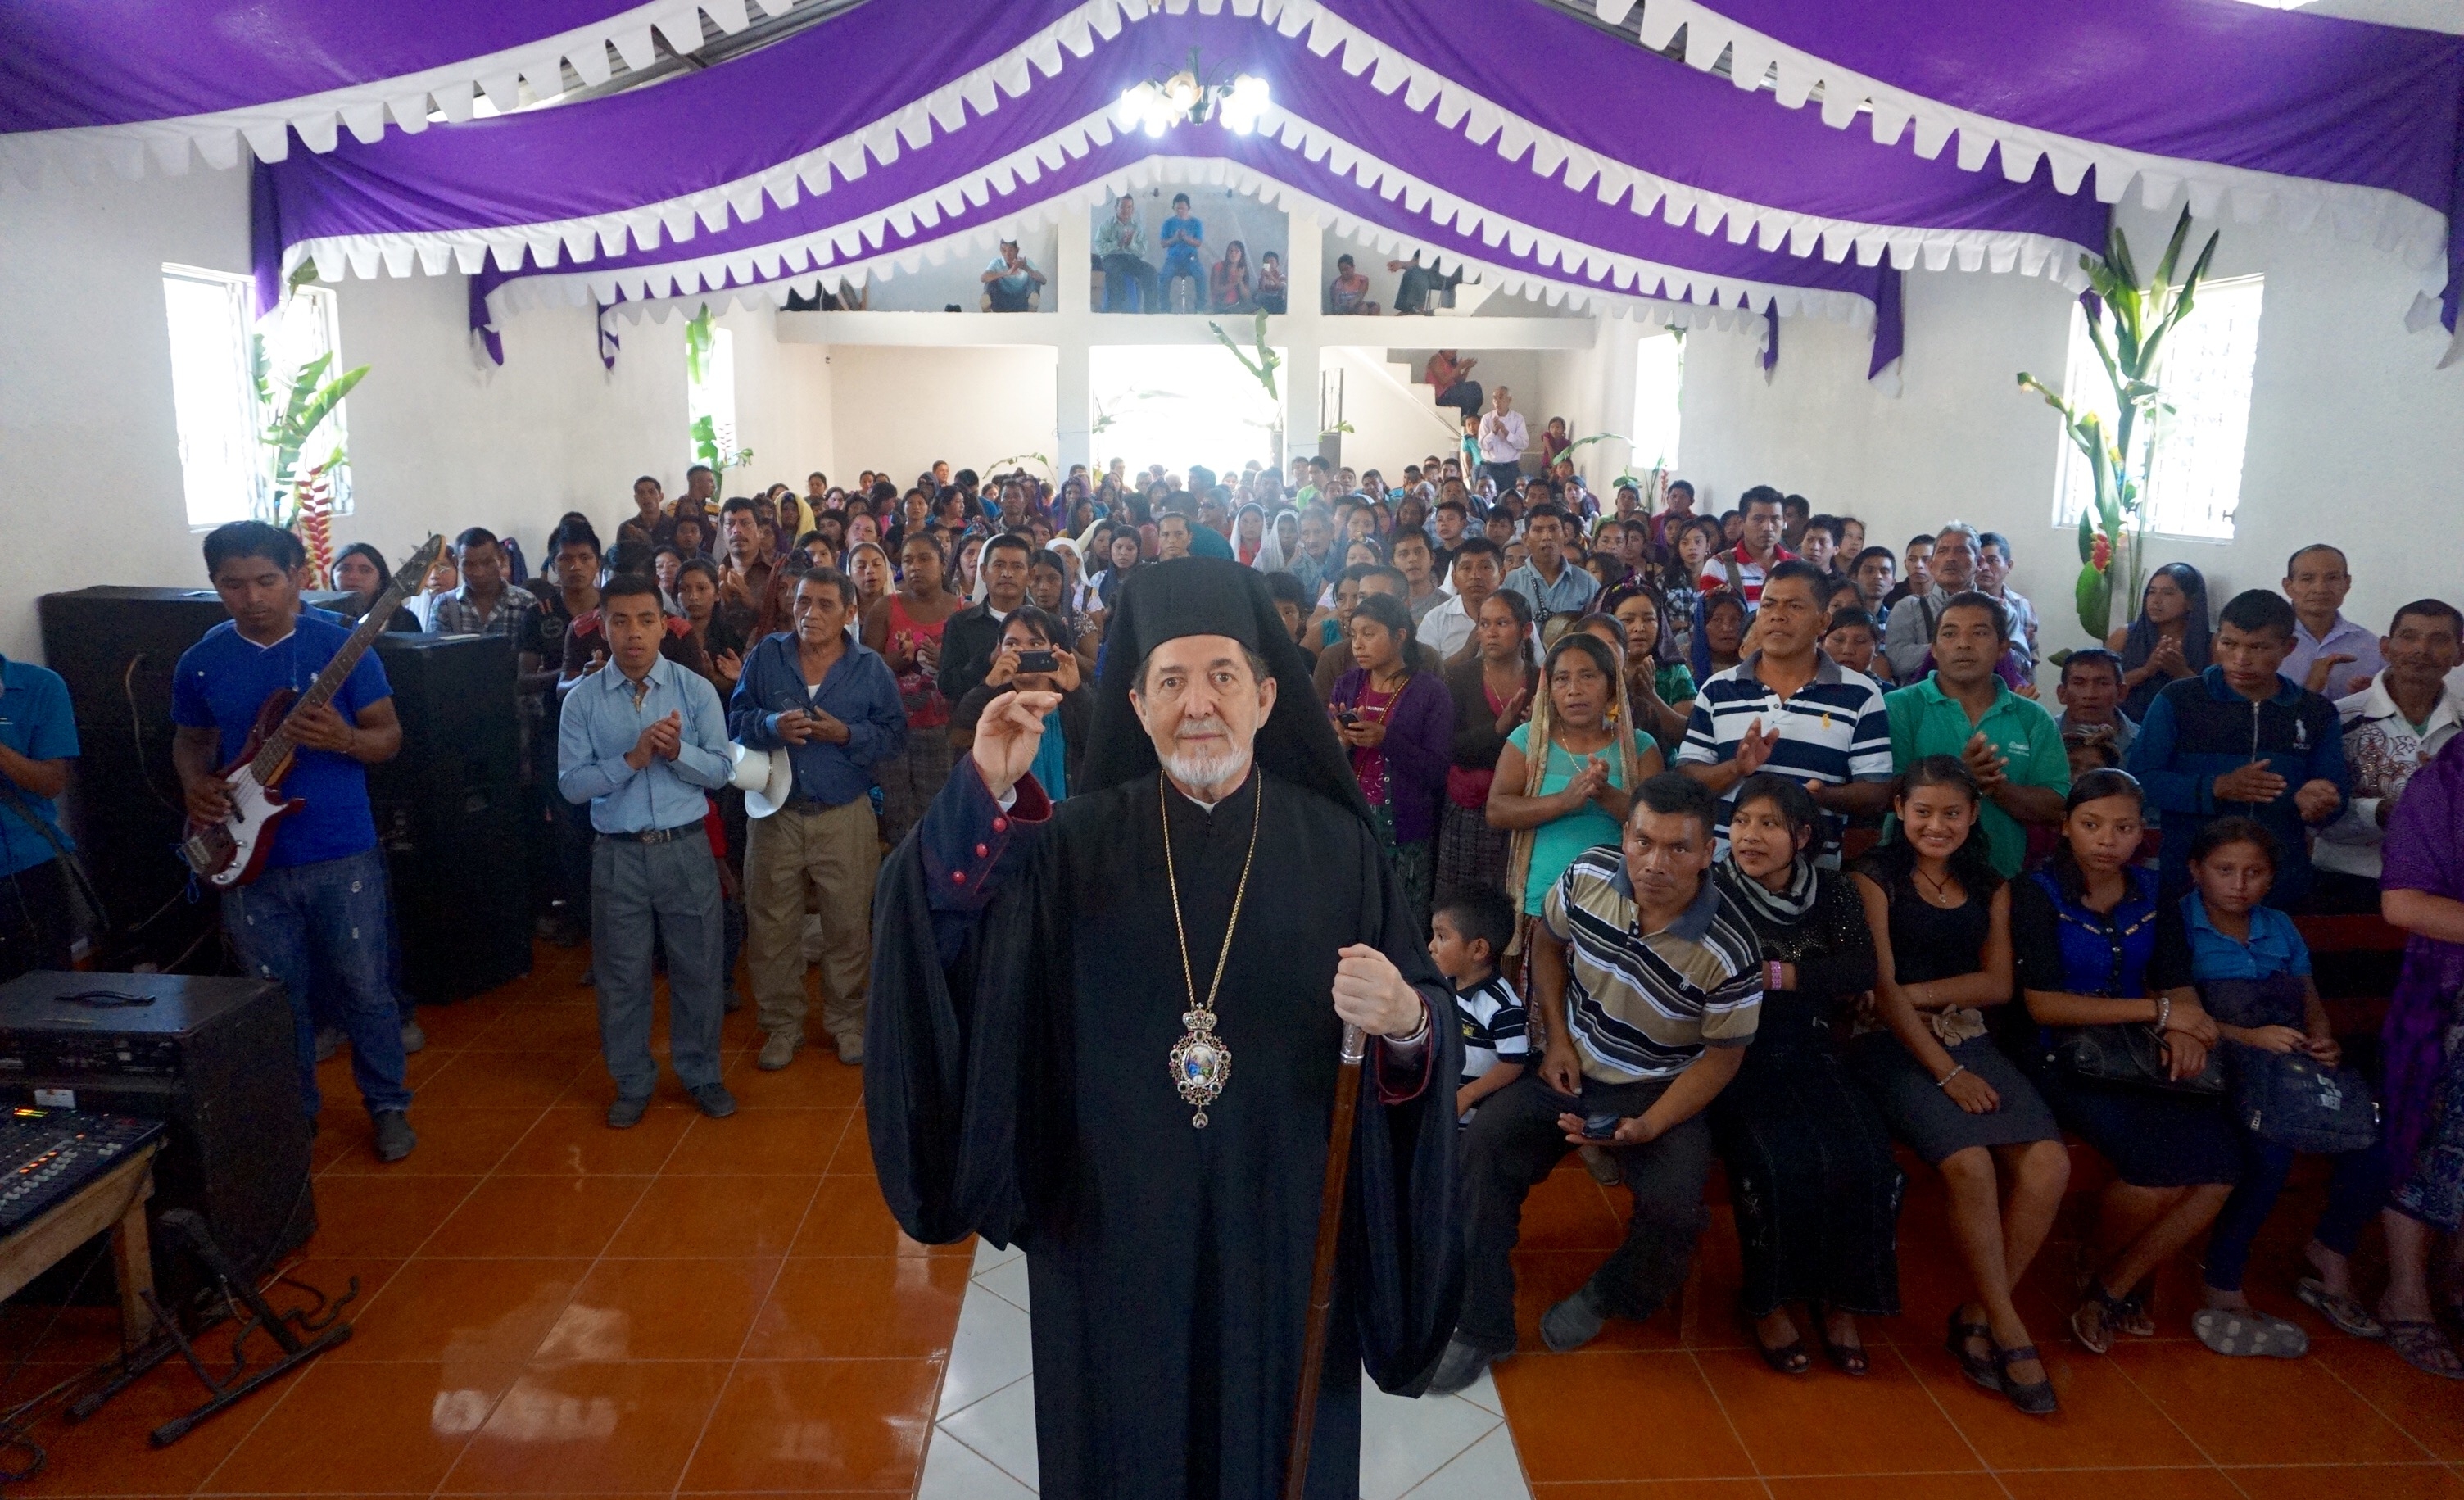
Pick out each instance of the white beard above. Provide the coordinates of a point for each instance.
(1209, 775)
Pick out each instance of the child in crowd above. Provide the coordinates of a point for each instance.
(1469, 934)
(1854, 642)
(2253, 971)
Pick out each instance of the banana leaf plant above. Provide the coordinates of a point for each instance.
(2113, 528)
(288, 413)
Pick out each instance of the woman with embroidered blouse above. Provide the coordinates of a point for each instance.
(1812, 1179)
(2098, 948)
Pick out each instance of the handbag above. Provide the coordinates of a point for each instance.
(2131, 1053)
(2293, 1100)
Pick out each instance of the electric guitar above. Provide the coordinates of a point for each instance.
(230, 851)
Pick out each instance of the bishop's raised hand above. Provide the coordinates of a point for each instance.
(1007, 737)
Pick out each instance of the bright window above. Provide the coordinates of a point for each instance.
(713, 396)
(1658, 381)
(2205, 377)
(225, 468)
(1179, 406)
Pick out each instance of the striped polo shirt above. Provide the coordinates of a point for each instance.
(1643, 1005)
(1834, 729)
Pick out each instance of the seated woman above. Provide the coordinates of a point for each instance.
(1815, 1188)
(2422, 891)
(1494, 691)
(1273, 290)
(1028, 638)
(1399, 723)
(2253, 971)
(1227, 289)
(1660, 686)
(1941, 920)
(2098, 948)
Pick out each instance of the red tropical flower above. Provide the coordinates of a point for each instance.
(2100, 553)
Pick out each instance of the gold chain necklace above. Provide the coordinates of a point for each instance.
(1201, 1065)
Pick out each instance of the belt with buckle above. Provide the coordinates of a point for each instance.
(655, 835)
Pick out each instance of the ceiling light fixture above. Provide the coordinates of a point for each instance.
(1190, 97)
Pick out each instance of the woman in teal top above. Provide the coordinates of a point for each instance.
(1574, 790)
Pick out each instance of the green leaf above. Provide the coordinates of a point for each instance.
(2173, 249)
(2093, 594)
(2087, 533)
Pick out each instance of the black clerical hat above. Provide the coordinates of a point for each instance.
(1212, 596)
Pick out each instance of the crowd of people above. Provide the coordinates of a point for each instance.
(1738, 838)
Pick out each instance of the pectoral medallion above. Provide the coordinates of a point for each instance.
(1201, 1065)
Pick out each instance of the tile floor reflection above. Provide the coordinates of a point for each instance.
(1439, 1447)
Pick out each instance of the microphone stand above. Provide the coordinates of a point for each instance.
(1330, 1231)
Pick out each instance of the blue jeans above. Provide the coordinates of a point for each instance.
(2357, 1189)
(325, 930)
(669, 890)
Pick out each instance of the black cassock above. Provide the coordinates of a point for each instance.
(1027, 988)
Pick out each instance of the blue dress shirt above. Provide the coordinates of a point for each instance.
(602, 719)
(859, 691)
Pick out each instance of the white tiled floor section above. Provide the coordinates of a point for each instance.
(1439, 1447)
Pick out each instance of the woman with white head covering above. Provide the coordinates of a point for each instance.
(1283, 542)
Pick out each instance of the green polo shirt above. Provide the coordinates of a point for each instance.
(1925, 721)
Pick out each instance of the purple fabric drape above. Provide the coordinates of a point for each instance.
(2301, 96)
(2205, 80)
(102, 63)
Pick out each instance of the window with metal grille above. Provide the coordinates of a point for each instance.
(2205, 377)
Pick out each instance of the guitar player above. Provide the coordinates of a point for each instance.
(316, 918)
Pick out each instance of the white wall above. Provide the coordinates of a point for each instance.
(897, 410)
(2354, 437)
(782, 406)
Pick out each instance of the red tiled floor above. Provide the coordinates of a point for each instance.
(726, 1305)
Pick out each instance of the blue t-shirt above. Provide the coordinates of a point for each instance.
(2275, 947)
(1180, 224)
(225, 679)
(34, 721)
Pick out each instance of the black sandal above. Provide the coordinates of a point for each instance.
(1846, 1359)
(1978, 1369)
(2112, 1312)
(2036, 1397)
(1789, 1358)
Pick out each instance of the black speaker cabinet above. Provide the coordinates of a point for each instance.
(449, 813)
(216, 1059)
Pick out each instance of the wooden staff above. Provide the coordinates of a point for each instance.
(1330, 1232)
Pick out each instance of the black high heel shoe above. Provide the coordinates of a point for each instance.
(1979, 1370)
(1846, 1359)
(1789, 1358)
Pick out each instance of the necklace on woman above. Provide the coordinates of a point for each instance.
(1941, 888)
(1201, 1065)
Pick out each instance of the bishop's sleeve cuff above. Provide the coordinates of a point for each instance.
(1401, 1079)
(965, 834)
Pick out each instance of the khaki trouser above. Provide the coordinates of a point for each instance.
(831, 856)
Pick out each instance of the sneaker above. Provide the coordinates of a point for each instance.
(394, 1138)
(413, 1039)
(1459, 1366)
(1572, 1323)
(715, 1101)
(779, 1050)
(851, 1049)
(2238, 1332)
(329, 1041)
(626, 1112)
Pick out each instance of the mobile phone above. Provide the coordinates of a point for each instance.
(1347, 719)
(1601, 1127)
(1039, 661)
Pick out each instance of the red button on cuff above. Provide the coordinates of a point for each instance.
(983, 849)
(1000, 824)
(957, 878)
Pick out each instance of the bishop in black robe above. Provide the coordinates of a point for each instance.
(1028, 987)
